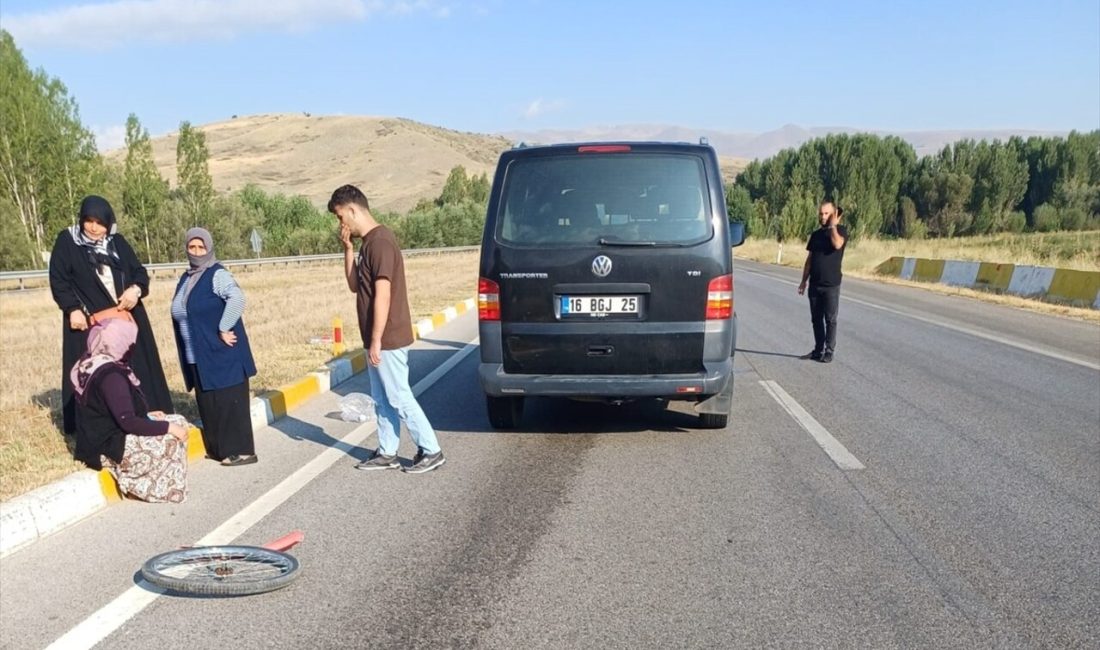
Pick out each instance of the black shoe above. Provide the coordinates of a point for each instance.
(378, 460)
(812, 356)
(237, 459)
(827, 357)
(425, 462)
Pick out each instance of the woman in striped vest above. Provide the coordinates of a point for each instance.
(214, 352)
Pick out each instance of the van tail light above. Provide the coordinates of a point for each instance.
(488, 300)
(720, 297)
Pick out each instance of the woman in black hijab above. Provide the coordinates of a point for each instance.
(92, 268)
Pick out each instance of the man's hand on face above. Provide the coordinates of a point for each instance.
(345, 236)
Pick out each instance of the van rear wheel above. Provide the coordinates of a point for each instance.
(504, 412)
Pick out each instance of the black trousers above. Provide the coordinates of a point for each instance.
(824, 304)
(226, 418)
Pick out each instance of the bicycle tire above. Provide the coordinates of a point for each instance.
(221, 570)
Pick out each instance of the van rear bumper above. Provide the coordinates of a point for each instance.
(716, 378)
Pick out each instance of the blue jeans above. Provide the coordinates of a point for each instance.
(395, 403)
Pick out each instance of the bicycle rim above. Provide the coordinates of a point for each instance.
(221, 570)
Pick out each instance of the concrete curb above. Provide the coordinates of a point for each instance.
(48, 509)
(1079, 288)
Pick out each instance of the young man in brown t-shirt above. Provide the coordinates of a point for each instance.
(382, 305)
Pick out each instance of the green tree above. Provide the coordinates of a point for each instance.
(944, 186)
(909, 224)
(797, 218)
(48, 160)
(479, 187)
(144, 191)
(456, 189)
(739, 206)
(1000, 175)
(195, 186)
(280, 217)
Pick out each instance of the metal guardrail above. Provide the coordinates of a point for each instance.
(21, 277)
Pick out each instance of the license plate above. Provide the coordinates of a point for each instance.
(596, 305)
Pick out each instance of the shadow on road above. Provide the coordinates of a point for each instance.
(771, 354)
(563, 416)
(296, 429)
(457, 345)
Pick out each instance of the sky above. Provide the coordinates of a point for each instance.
(492, 66)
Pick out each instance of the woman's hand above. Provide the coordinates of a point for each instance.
(179, 432)
(77, 320)
(156, 415)
(229, 338)
(130, 298)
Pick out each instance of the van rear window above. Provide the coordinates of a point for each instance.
(614, 198)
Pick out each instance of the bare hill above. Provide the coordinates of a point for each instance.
(395, 161)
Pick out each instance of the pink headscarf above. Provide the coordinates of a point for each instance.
(108, 342)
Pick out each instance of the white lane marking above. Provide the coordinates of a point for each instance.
(958, 328)
(109, 618)
(838, 452)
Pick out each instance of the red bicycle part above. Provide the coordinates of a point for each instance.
(288, 541)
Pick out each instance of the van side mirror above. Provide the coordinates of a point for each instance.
(737, 233)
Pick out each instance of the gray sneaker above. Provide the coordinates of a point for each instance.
(378, 460)
(425, 462)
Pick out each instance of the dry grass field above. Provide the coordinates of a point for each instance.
(286, 307)
(1071, 250)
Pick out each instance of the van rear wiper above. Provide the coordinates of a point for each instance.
(619, 242)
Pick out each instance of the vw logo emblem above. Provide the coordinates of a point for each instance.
(601, 266)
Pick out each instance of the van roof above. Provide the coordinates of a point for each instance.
(702, 144)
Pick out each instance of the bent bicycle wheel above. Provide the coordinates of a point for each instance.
(221, 570)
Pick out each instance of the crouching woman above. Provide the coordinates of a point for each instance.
(145, 453)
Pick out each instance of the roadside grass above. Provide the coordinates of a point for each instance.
(286, 307)
(1071, 250)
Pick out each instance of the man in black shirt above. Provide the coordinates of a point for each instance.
(822, 271)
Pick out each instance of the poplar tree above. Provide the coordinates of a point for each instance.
(48, 160)
(193, 172)
(143, 189)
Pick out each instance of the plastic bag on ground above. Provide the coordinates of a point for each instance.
(356, 407)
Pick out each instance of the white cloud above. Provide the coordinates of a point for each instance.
(109, 137)
(418, 6)
(104, 25)
(541, 107)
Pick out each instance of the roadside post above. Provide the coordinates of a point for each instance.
(337, 336)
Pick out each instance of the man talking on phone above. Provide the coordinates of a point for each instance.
(822, 272)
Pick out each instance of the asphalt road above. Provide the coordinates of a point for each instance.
(973, 521)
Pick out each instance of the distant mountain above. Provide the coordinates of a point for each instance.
(749, 146)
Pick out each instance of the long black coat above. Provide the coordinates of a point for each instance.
(75, 286)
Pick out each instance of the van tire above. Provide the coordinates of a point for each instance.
(504, 412)
(714, 420)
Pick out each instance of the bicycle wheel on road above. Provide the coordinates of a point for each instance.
(221, 570)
